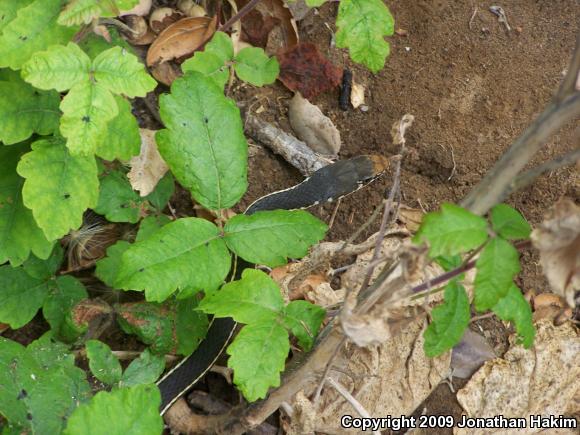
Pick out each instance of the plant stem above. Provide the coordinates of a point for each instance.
(242, 13)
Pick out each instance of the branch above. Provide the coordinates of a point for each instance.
(568, 85)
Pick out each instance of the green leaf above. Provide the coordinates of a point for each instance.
(253, 66)
(60, 67)
(185, 253)
(8, 10)
(449, 262)
(513, 307)
(21, 295)
(124, 411)
(221, 45)
(19, 233)
(44, 268)
(103, 364)
(87, 110)
(64, 293)
(449, 321)
(34, 29)
(210, 65)
(94, 44)
(257, 356)
(497, 266)
(304, 320)
(122, 140)
(118, 202)
(108, 268)
(362, 26)
(40, 385)
(315, 3)
(121, 73)
(150, 225)
(453, 230)
(269, 237)
(25, 110)
(58, 187)
(172, 327)
(143, 370)
(79, 12)
(205, 157)
(162, 192)
(509, 223)
(254, 298)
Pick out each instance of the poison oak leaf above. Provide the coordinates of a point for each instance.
(59, 187)
(19, 233)
(122, 140)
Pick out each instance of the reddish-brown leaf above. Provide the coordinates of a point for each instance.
(304, 69)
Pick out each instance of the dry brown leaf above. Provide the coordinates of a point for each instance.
(558, 240)
(3, 327)
(304, 69)
(543, 380)
(313, 127)
(357, 95)
(166, 72)
(162, 18)
(270, 26)
(400, 127)
(390, 379)
(470, 354)
(410, 217)
(181, 39)
(142, 34)
(148, 167)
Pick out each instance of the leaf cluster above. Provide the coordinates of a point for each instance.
(453, 232)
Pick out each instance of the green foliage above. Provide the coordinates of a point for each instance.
(449, 321)
(251, 64)
(33, 28)
(40, 385)
(497, 266)
(25, 111)
(185, 253)
(85, 11)
(162, 193)
(19, 233)
(103, 364)
(124, 411)
(171, 327)
(454, 231)
(143, 370)
(63, 294)
(509, 223)
(118, 202)
(451, 231)
(513, 307)
(259, 351)
(59, 187)
(108, 268)
(205, 157)
(362, 26)
(281, 233)
(90, 103)
(122, 140)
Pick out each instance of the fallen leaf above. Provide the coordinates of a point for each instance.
(165, 72)
(469, 354)
(542, 381)
(162, 18)
(313, 127)
(269, 25)
(181, 39)
(400, 127)
(558, 240)
(148, 167)
(551, 306)
(142, 34)
(304, 69)
(357, 95)
(410, 217)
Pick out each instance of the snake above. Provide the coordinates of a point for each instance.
(331, 182)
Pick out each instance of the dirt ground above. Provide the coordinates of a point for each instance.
(472, 86)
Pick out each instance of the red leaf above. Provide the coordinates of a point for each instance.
(304, 69)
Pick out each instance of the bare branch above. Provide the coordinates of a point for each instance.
(568, 85)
